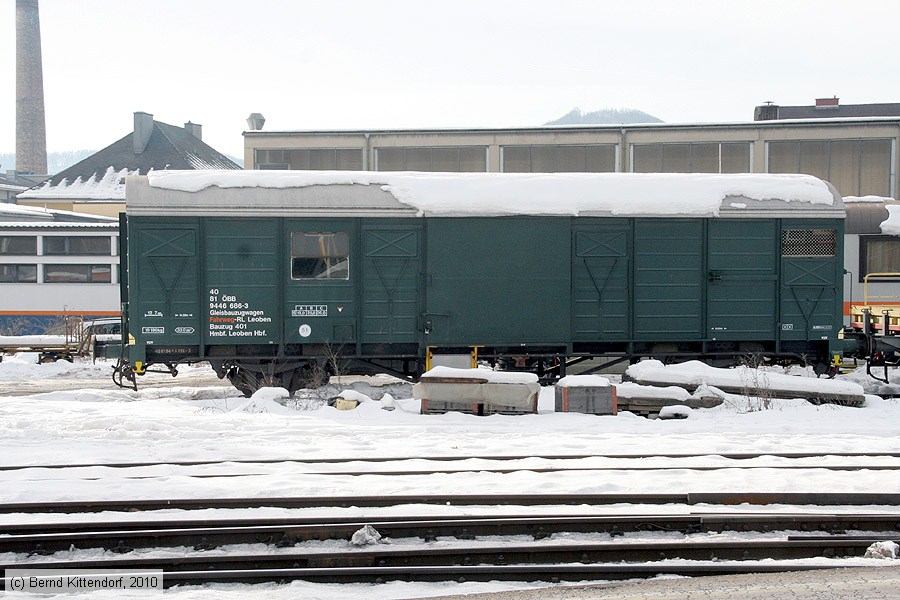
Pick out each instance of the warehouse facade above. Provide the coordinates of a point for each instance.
(856, 154)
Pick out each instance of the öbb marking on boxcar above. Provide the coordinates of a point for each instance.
(283, 278)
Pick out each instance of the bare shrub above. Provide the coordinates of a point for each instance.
(755, 385)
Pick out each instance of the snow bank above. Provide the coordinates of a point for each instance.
(698, 373)
(24, 367)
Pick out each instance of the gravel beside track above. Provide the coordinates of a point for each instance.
(835, 584)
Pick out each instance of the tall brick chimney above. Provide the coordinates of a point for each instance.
(31, 131)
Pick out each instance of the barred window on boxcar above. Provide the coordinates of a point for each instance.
(808, 242)
(320, 255)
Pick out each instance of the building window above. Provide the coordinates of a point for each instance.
(77, 273)
(320, 255)
(18, 273)
(597, 158)
(310, 159)
(77, 245)
(700, 157)
(879, 254)
(854, 167)
(443, 159)
(20, 245)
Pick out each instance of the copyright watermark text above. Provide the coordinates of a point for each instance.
(53, 581)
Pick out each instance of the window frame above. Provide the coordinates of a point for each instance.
(693, 153)
(527, 152)
(19, 237)
(67, 245)
(864, 241)
(91, 275)
(302, 159)
(16, 267)
(425, 156)
(325, 257)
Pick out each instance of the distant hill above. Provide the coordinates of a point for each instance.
(605, 116)
(56, 161)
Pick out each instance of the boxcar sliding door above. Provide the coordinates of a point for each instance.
(741, 279)
(668, 279)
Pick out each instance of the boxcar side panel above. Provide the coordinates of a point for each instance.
(241, 276)
(321, 271)
(165, 306)
(811, 279)
(601, 273)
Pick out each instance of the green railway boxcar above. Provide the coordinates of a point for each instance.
(283, 278)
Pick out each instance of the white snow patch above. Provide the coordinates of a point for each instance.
(365, 536)
(676, 411)
(463, 194)
(354, 395)
(698, 373)
(891, 225)
(583, 381)
(886, 550)
(109, 186)
(487, 374)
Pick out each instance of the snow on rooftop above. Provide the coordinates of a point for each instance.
(111, 186)
(891, 225)
(461, 194)
(43, 216)
(28, 211)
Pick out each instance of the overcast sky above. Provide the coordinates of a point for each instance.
(345, 64)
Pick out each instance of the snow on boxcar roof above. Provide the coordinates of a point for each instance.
(487, 194)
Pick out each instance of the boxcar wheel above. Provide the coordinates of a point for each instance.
(247, 382)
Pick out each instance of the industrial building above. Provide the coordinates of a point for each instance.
(858, 154)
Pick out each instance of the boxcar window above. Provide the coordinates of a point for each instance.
(18, 244)
(320, 255)
(878, 255)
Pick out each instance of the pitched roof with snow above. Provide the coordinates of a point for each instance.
(15, 215)
(101, 175)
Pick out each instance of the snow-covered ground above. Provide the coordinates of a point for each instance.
(197, 417)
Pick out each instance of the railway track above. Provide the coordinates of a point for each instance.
(714, 498)
(46, 538)
(737, 456)
(474, 553)
(543, 547)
